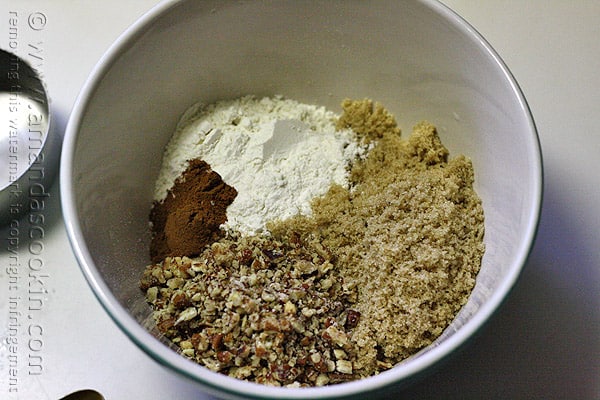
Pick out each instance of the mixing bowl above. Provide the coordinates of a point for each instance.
(417, 58)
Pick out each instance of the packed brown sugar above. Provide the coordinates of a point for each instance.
(375, 273)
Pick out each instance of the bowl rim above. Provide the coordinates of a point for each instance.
(216, 383)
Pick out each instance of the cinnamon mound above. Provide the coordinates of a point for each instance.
(189, 217)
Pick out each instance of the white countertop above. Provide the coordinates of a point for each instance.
(544, 343)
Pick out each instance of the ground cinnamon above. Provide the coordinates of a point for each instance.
(189, 217)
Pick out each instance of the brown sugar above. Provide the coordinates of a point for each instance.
(408, 236)
(369, 120)
(189, 217)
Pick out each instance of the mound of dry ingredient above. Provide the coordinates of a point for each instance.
(181, 225)
(375, 273)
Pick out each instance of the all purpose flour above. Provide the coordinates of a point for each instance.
(277, 153)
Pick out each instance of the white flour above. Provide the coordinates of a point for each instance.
(277, 153)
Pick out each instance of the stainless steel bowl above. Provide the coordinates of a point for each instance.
(28, 147)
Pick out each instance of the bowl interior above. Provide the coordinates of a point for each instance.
(417, 58)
